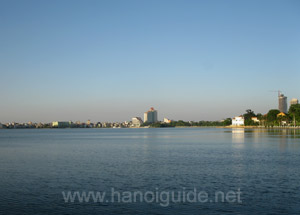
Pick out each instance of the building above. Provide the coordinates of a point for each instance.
(150, 116)
(282, 117)
(238, 121)
(60, 124)
(1, 126)
(282, 103)
(98, 125)
(136, 121)
(88, 122)
(294, 101)
(281, 114)
(255, 119)
(166, 120)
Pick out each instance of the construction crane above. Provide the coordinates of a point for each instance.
(276, 91)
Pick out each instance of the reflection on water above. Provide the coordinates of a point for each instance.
(290, 133)
(284, 137)
(238, 137)
(37, 165)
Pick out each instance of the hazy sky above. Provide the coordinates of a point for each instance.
(113, 60)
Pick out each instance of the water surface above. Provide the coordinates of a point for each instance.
(37, 165)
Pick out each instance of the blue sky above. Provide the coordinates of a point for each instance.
(113, 60)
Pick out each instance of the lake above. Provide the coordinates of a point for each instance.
(234, 171)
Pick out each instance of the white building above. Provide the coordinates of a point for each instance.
(136, 122)
(150, 116)
(166, 120)
(294, 101)
(238, 121)
(61, 124)
(255, 119)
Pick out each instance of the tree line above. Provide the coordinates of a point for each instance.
(273, 118)
(181, 123)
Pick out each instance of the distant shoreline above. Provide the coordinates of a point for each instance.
(252, 127)
(227, 127)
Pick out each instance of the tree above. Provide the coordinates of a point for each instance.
(282, 118)
(295, 112)
(249, 113)
(248, 117)
(272, 116)
(227, 122)
(259, 116)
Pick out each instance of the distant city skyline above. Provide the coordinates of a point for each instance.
(112, 60)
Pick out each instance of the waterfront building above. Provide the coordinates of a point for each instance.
(136, 121)
(39, 125)
(166, 120)
(61, 124)
(282, 103)
(98, 125)
(126, 124)
(150, 116)
(1, 126)
(294, 101)
(106, 125)
(281, 114)
(282, 117)
(255, 119)
(238, 121)
(89, 124)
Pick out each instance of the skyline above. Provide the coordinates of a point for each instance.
(154, 118)
(111, 60)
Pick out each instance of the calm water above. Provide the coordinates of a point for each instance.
(36, 166)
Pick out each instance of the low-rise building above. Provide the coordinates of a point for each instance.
(125, 124)
(39, 125)
(89, 124)
(294, 101)
(106, 125)
(166, 120)
(136, 122)
(281, 114)
(255, 119)
(282, 117)
(61, 124)
(238, 121)
(98, 125)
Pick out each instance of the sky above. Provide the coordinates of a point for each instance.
(111, 60)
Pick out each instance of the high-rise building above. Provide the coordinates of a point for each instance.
(294, 102)
(150, 116)
(282, 103)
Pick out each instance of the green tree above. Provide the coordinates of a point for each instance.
(227, 122)
(259, 116)
(294, 111)
(272, 117)
(248, 115)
